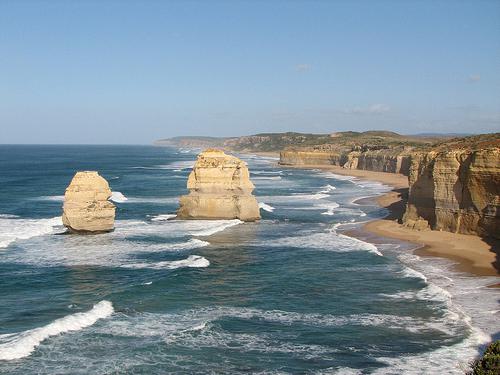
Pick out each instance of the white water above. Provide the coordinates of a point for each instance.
(328, 240)
(118, 197)
(266, 207)
(219, 226)
(12, 229)
(193, 261)
(22, 344)
(330, 208)
(328, 189)
(55, 198)
(163, 217)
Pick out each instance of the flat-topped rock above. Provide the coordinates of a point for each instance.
(86, 207)
(219, 188)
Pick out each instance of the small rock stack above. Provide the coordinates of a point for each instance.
(219, 188)
(86, 207)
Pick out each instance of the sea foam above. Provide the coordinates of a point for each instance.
(192, 261)
(266, 207)
(12, 229)
(328, 189)
(118, 197)
(22, 344)
(328, 240)
(163, 217)
(215, 226)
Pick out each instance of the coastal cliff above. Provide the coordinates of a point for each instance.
(86, 207)
(453, 181)
(456, 187)
(219, 188)
(373, 160)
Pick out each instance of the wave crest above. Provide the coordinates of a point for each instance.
(22, 344)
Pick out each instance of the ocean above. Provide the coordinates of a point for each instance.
(288, 294)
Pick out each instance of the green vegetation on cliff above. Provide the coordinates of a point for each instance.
(489, 363)
(275, 142)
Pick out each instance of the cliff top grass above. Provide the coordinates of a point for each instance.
(369, 141)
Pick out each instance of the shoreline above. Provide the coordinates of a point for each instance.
(470, 253)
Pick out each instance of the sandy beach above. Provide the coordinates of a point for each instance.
(471, 253)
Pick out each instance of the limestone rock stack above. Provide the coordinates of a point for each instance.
(86, 206)
(219, 188)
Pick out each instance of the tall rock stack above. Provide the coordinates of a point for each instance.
(219, 188)
(86, 207)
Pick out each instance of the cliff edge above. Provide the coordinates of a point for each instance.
(456, 187)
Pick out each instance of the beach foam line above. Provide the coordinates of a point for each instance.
(192, 261)
(118, 197)
(22, 344)
(328, 240)
(411, 273)
(337, 176)
(444, 360)
(266, 207)
(12, 229)
(218, 227)
(367, 246)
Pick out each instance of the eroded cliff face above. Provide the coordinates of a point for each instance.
(375, 160)
(86, 207)
(219, 188)
(455, 190)
(309, 158)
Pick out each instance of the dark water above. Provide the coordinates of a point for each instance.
(289, 294)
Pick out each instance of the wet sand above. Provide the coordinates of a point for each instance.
(471, 253)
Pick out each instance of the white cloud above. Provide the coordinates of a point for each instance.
(474, 78)
(302, 67)
(374, 109)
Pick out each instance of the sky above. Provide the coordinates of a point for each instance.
(131, 72)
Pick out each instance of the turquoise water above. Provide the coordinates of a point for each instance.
(288, 294)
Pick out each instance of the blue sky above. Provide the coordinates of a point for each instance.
(136, 71)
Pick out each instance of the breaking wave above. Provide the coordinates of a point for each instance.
(22, 344)
(163, 217)
(219, 226)
(118, 197)
(12, 229)
(266, 207)
(54, 198)
(328, 189)
(328, 240)
(193, 261)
